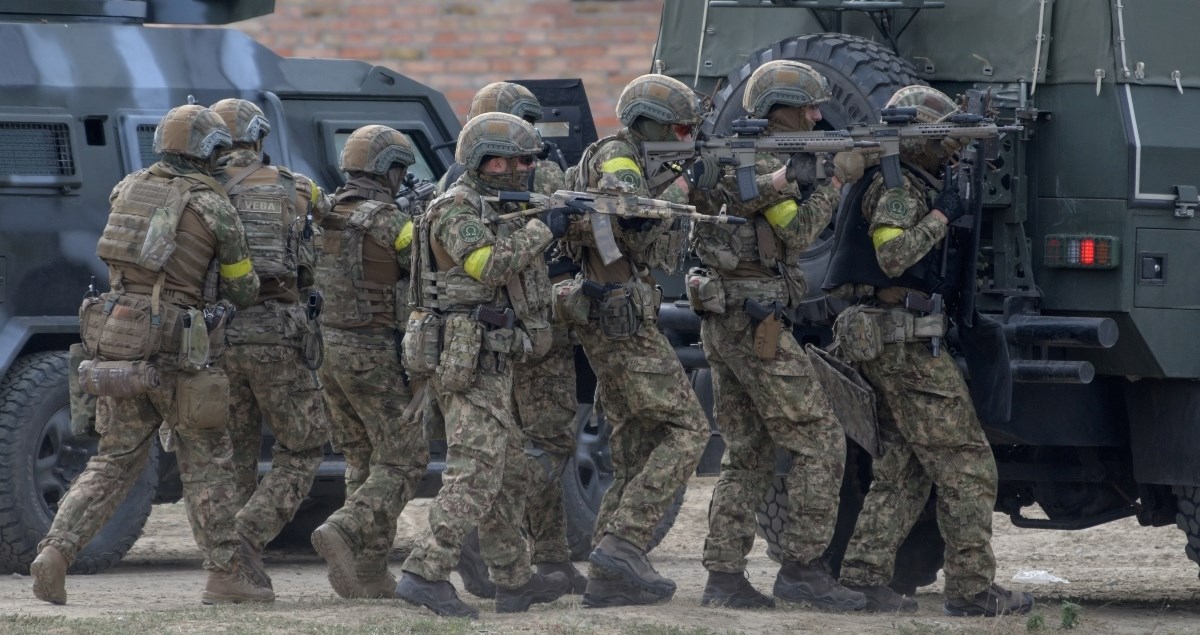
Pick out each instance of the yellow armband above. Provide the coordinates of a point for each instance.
(883, 234)
(236, 270)
(404, 238)
(476, 261)
(781, 213)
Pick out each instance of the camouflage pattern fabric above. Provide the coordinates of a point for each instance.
(930, 436)
(547, 178)
(487, 473)
(127, 428)
(900, 224)
(268, 383)
(658, 429)
(545, 398)
(385, 455)
(761, 405)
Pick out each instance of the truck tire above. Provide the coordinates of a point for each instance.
(588, 475)
(1187, 517)
(862, 76)
(39, 457)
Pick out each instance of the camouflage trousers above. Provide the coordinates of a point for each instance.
(544, 392)
(268, 383)
(931, 436)
(658, 429)
(760, 406)
(385, 455)
(487, 474)
(127, 428)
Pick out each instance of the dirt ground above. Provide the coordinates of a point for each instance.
(1128, 579)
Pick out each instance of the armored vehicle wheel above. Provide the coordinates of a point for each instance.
(1187, 517)
(919, 557)
(862, 76)
(40, 457)
(587, 476)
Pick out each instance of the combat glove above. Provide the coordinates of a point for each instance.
(848, 166)
(949, 203)
(802, 169)
(559, 219)
(705, 173)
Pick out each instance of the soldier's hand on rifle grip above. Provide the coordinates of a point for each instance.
(705, 173)
(949, 203)
(559, 219)
(848, 166)
(802, 169)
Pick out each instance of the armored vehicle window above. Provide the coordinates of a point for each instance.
(145, 142)
(420, 169)
(36, 153)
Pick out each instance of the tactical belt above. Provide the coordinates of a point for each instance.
(367, 337)
(762, 290)
(899, 325)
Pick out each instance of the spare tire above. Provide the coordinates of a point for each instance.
(40, 456)
(862, 76)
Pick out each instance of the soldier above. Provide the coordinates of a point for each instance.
(927, 422)
(484, 297)
(150, 345)
(269, 375)
(364, 271)
(658, 426)
(765, 389)
(544, 390)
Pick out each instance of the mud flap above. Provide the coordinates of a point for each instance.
(986, 354)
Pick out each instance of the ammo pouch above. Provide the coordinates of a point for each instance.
(271, 322)
(571, 306)
(201, 399)
(624, 309)
(422, 345)
(122, 380)
(705, 293)
(195, 347)
(861, 332)
(121, 327)
(462, 341)
(540, 336)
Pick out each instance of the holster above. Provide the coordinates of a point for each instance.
(768, 326)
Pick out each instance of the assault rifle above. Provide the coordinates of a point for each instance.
(415, 192)
(666, 160)
(603, 206)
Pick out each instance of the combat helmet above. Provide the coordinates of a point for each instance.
(192, 131)
(246, 121)
(373, 149)
(513, 99)
(659, 98)
(786, 83)
(932, 105)
(496, 134)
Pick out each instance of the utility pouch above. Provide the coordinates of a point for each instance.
(194, 346)
(856, 331)
(422, 344)
(83, 404)
(797, 286)
(705, 293)
(619, 315)
(91, 324)
(117, 379)
(571, 306)
(541, 338)
(128, 331)
(202, 399)
(459, 361)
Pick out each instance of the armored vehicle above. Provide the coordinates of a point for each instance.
(1087, 235)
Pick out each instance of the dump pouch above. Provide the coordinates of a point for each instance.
(571, 306)
(122, 380)
(422, 344)
(856, 331)
(459, 361)
(201, 399)
(705, 293)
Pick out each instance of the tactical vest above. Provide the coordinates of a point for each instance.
(142, 229)
(352, 301)
(265, 199)
(854, 261)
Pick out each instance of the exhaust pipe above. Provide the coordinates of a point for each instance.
(1033, 371)
(1049, 330)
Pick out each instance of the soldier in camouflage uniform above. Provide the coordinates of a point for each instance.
(268, 377)
(483, 296)
(927, 421)
(544, 390)
(658, 427)
(363, 272)
(765, 389)
(168, 223)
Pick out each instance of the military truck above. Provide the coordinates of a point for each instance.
(1087, 235)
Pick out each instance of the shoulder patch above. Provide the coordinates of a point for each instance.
(471, 231)
(895, 205)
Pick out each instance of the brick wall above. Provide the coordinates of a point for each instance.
(459, 46)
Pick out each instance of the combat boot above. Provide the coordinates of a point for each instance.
(734, 591)
(234, 587)
(609, 592)
(49, 571)
(376, 581)
(882, 599)
(252, 560)
(538, 590)
(578, 581)
(629, 562)
(334, 547)
(473, 570)
(812, 584)
(439, 597)
(990, 602)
